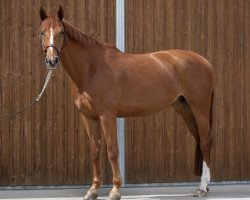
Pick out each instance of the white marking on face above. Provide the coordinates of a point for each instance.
(205, 178)
(51, 38)
(51, 41)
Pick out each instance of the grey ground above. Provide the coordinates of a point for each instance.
(223, 192)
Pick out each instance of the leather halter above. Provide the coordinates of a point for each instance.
(57, 50)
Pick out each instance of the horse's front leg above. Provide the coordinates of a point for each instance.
(108, 123)
(93, 129)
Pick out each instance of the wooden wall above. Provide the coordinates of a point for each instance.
(47, 144)
(159, 147)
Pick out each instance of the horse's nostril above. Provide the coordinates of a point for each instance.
(56, 60)
(46, 60)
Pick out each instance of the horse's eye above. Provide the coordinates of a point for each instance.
(42, 34)
(62, 32)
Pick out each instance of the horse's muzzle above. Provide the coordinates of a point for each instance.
(52, 63)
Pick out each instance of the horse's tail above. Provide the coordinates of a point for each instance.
(198, 159)
(198, 153)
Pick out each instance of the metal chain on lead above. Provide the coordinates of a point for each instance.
(36, 100)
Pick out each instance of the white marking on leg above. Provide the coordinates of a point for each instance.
(205, 178)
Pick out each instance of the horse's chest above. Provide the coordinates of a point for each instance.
(84, 104)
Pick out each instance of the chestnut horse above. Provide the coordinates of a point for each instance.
(108, 84)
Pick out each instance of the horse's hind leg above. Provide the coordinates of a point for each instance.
(182, 107)
(93, 130)
(201, 111)
(205, 145)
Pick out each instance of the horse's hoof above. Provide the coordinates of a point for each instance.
(114, 196)
(90, 195)
(200, 193)
(208, 190)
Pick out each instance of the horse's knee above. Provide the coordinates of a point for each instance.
(113, 154)
(94, 152)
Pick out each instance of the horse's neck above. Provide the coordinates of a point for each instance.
(77, 60)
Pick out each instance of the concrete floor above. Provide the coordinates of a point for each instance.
(223, 192)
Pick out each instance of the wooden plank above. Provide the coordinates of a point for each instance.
(222, 125)
(239, 91)
(38, 123)
(26, 83)
(246, 6)
(228, 86)
(111, 21)
(2, 24)
(15, 167)
(5, 164)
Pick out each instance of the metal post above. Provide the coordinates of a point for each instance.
(120, 43)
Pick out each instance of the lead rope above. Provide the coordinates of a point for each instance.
(35, 101)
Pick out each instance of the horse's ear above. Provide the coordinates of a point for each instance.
(60, 13)
(43, 13)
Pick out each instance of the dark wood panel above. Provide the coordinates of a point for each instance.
(218, 30)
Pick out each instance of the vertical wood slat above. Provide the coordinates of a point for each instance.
(27, 159)
(37, 119)
(218, 30)
(5, 164)
(46, 145)
(247, 74)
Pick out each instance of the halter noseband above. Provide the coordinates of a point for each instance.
(57, 50)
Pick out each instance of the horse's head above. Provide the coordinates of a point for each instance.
(52, 36)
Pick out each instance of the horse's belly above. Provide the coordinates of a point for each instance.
(136, 112)
(146, 105)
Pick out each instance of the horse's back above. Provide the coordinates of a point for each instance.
(184, 59)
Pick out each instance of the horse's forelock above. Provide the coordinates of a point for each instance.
(50, 22)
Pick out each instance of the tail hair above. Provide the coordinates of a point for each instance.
(198, 159)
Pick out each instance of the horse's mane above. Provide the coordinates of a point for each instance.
(77, 35)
